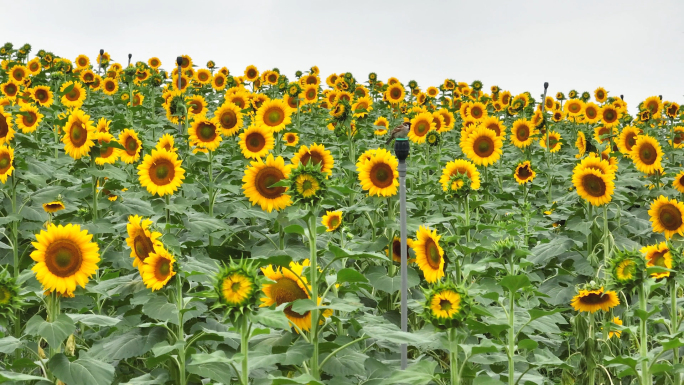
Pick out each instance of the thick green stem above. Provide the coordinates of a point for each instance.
(674, 325)
(453, 358)
(15, 254)
(244, 348)
(591, 365)
(313, 271)
(211, 189)
(467, 218)
(606, 233)
(168, 212)
(181, 332)
(643, 338)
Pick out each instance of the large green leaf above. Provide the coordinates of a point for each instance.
(53, 332)
(83, 371)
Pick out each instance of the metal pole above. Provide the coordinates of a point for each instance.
(179, 61)
(401, 150)
(100, 61)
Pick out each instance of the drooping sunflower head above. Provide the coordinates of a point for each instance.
(446, 305)
(667, 216)
(658, 255)
(581, 144)
(65, 256)
(378, 175)
(160, 172)
(53, 207)
(158, 268)
(141, 239)
(627, 268)
(429, 254)
(593, 298)
(332, 220)
(524, 173)
(236, 286)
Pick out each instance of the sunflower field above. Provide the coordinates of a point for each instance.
(178, 223)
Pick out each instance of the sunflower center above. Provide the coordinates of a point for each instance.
(131, 145)
(251, 73)
(79, 134)
(653, 107)
(11, 89)
(41, 95)
(422, 128)
(609, 116)
(594, 298)
(591, 113)
(630, 141)
(523, 133)
(30, 118)
(476, 112)
(285, 290)
(574, 108)
(310, 156)
(290, 138)
(334, 222)
(396, 248)
(74, 94)
(445, 305)
(143, 246)
(524, 172)
(63, 258)
(647, 153)
(483, 146)
(627, 270)
(670, 217)
(106, 153)
(195, 107)
(206, 132)
(594, 185)
(228, 119)
(267, 177)
(274, 116)
(432, 254)
(395, 93)
(163, 269)
(255, 142)
(553, 141)
(658, 259)
(4, 162)
(4, 127)
(235, 287)
(382, 175)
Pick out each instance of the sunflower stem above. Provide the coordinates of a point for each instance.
(674, 325)
(181, 332)
(453, 357)
(591, 365)
(168, 212)
(210, 189)
(606, 232)
(511, 337)
(466, 203)
(313, 271)
(646, 378)
(244, 348)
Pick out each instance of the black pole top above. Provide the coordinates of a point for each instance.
(130, 55)
(179, 60)
(101, 51)
(401, 148)
(622, 97)
(661, 97)
(546, 85)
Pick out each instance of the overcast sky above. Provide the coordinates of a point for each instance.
(629, 47)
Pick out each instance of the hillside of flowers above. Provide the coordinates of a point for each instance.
(175, 222)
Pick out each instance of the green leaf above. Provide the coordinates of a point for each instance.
(133, 343)
(94, 319)
(350, 275)
(420, 373)
(53, 332)
(515, 282)
(485, 380)
(9, 344)
(159, 308)
(273, 318)
(295, 229)
(345, 363)
(215, 366)
(528, 344)
(18, 377)
(83, 371)
(536, 313)
(303, 379)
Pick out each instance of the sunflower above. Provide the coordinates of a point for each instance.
(396, 250)
(653, 105)
(332, 220)
(524, 173)
(29, 118)
(82, 61)
(75, 97)
(10, 89)
(274, 114)
(601, 94)
(154, 62)
(678, 132)
(18, 73)
(482, 146)
(647, 154)
(218, 82)
(166, 142)
(65, 257)
(615, 333)
(291, 139)
(157, 269)
(477, 111)
(456, 167)
(53, 207)
(658, 255)
(34, 66)
(256, 142)
(6, 130)
(306, 186)
(421, 124)
(595, 162)
(678, 182)
(137, 99)
(395, 93)
(258, 179)
(379, 174)
(609, 115)
(362, 107)
(429, 254)
(522, 133)
(581, 144)
(43, 96)
(251, 73)
(445, 304)
(309, 94)
(381, 123)
(554, 139)
(236, 286)
(141, 239)
(204, 133)
(78, 134)
(317, 154)
(203, 76)
(594, 300)
(87, 76)
(109, 154)
(6, 162)
(666, 215)
(593, 186)
(129, 140)
(289, 285)
(161, 172)
(574, 107)
(591, 113)
(627, 139)
(448, 118)
(229, 118)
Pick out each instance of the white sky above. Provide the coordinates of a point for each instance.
(629, 47)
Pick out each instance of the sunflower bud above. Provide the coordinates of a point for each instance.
(307, 183)
(627, 269)
(236, 287)
(446, 305)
